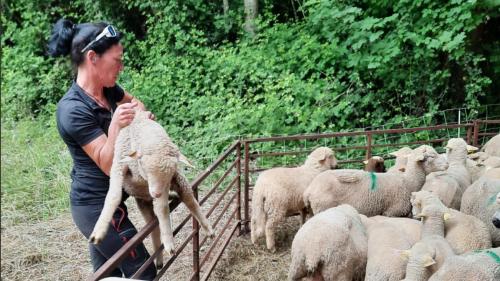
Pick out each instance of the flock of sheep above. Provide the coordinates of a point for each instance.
(357, 225)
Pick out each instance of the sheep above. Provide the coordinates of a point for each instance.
(331, 245)
(374, 164)
(492, 147)
(481, 265)
(463, 232)
(278, 193)
(479, 163)
(372, 194)
(449, 185)
(387, 238)
(401, 159)
(478, 200)
(145, 165)
(429, 254)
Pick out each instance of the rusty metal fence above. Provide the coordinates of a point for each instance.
(233, 212)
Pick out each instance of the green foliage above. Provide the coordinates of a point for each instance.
(314, 66)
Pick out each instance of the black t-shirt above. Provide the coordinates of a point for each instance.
(81, 120)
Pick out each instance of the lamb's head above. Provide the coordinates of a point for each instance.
(434, 211)
(430, 159)
(421, 255)
(496, 216)
(457, 149)
(421, 198)
(322, 158)
(374, 164)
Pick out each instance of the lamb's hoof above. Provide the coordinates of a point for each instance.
(169, 249)
(95, 239)
(209, 232)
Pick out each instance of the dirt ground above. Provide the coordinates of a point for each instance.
(55, 250)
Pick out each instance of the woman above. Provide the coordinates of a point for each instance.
(89, 118)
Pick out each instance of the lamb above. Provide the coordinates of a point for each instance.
(278, 193)
(145, 164)
(331, 245)
(401, 159)
(372, 194)
(481, 265)
(450, 184)
(374, 164)
(387, 239)
(492, 147)
(479, 163)
(478, 200)
(463, 232)
(432, 244)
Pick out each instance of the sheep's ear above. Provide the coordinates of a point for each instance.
(446, 216)
(421, 215)
(405, 254)
(420, 157)
(471, 149)
(365, 162)
(429, 261)
(183, 159)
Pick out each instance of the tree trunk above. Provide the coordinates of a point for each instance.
(251, 8)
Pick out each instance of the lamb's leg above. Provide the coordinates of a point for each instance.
(182, 187)
(162, 211)
(113, 199)
(146, 208)
(274, 219)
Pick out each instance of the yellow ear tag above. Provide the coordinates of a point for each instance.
(446, 216)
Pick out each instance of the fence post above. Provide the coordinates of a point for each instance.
(247, 187)
(238, 197)
(469, 134)
(196, 243)
(369, 145)
(476, 133)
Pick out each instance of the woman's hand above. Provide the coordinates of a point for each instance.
(124, 114)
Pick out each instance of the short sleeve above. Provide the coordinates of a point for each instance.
(114, 94)
(77, 124)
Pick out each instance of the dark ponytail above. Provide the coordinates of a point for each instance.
(61, 38)
(68, 38)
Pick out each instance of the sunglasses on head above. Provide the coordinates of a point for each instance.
(109, 31)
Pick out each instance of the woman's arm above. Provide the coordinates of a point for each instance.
(101, 150)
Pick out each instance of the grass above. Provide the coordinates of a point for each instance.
(35, 169)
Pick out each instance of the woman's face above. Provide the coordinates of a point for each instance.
(109, 65)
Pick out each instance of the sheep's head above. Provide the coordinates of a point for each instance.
(421, 198)
(456, 148)
(322, 158)
(434, 211)
(421, 255)
(430, 159)
(375, 164)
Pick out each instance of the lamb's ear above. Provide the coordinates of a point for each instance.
(428, 261)
(420, 157)
(421, 215)
(183, 159)
(365, 162)
(471, 149)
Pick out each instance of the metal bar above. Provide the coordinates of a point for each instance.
(469, 135)
(174, 256)
(214, 243)
(238, 202)
(123, 252)
(226, 206)
(489, 121)
(357, 133)
(369, 145)
(476, 132)
(214, 165)
(219, 181)
(196, 243)
(219, 254)
(247, 183)
(143, 267)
